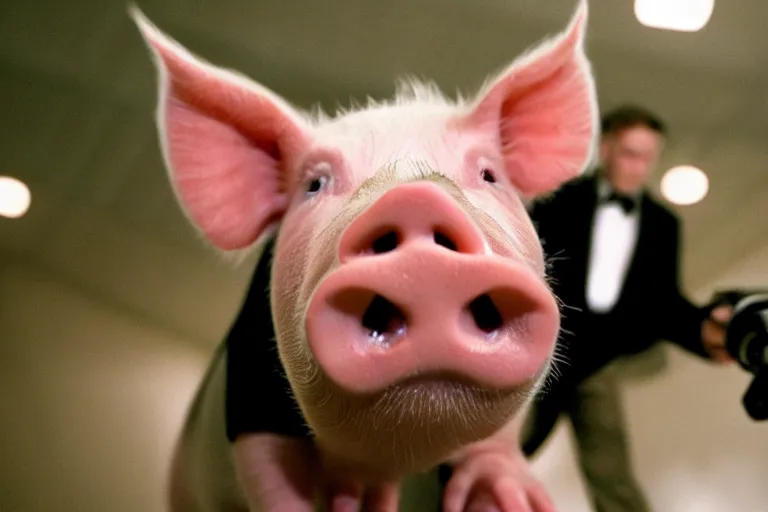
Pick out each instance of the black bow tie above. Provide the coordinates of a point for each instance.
(627, 203)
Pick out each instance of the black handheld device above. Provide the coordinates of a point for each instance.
(747, 343)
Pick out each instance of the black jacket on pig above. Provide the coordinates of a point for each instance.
(258, 396)
(651, 308)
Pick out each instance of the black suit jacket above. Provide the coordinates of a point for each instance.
(651, 306)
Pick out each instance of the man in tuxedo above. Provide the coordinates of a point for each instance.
(614, 264)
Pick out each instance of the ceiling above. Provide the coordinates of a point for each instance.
(79, 93)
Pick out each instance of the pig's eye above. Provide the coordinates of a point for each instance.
(315, 185)
(488, 176)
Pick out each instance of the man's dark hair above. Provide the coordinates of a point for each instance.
(629, 116)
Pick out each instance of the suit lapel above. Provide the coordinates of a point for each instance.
(580, 224)
(584, 216)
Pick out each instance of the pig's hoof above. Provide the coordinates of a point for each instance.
(348, 496)
(495, 482)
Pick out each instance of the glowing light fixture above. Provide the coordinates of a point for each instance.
(680, 15)
(14, 197)
(684, 185)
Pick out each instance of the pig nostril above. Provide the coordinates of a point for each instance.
(385, 243)
(377, 320)
(506, 311)
(441, 239)
(383, 320)
(485, 314)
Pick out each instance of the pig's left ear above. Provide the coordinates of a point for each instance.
(227, 143)
(543, 111)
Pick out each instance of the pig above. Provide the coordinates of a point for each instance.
(412, 311)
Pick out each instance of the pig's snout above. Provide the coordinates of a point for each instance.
(418, 294)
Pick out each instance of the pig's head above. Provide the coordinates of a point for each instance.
(411, 306)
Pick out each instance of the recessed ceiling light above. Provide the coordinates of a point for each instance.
(684, 185)
(14, 197)
(680, 15)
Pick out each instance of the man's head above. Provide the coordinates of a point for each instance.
(632, 141)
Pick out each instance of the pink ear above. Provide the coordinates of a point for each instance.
(543, 108)
(226, 142)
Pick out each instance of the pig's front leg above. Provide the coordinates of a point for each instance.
(280, 473)
(275, 472)
(494, 476)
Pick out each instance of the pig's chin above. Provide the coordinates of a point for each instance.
(411, 426)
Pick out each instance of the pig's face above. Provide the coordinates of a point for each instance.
(422, 181)
(410, 302)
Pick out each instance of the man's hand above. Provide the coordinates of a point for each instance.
(713, 334)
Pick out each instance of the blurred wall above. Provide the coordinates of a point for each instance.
(91, 399)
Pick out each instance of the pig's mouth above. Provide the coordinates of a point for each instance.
(385, 323)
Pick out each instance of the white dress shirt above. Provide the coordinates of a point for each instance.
(614, 236)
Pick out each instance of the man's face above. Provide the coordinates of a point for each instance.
(629, 157)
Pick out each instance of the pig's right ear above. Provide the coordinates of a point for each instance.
(542, 111)
(226, 142)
